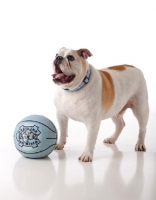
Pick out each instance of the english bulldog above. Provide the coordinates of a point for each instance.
(88, 95)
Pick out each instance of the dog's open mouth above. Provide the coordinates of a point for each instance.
(60, 77)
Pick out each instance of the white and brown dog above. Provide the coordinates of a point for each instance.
(88, 95)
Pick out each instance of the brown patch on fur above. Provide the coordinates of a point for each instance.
(120, 67)
(108, 91)
(130, 66)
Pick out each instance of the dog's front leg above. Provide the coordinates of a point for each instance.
(63, 126)
(93, 128)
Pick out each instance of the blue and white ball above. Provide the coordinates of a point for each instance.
(35, 136)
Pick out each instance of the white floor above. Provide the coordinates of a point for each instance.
(116, 173)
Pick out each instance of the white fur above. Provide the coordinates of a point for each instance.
(85, 105)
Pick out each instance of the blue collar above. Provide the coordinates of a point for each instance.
(84, 82)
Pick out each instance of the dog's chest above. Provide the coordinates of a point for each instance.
(72, 105)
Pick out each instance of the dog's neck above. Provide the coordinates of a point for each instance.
(82, 84)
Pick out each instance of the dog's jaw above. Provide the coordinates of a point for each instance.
(59, 77)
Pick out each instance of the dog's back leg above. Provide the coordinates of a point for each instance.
(119, 122)
(141, 112)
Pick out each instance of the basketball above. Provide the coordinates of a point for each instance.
(35, 136)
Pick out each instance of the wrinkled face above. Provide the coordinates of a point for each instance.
(69, 66)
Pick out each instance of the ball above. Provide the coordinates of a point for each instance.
(35, 136)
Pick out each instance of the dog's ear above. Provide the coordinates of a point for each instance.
(85, 53)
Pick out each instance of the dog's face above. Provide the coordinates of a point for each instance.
(70, 66)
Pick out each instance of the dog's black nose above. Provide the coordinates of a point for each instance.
(58, 60)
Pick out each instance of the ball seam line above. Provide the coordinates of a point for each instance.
(37, 122)
(36, 152)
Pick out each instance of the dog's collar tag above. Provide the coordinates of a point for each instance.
(84, 82)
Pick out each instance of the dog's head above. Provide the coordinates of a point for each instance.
(70, 67)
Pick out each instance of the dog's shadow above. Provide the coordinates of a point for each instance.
(112, 186)
(41, 177)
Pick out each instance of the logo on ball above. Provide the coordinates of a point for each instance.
(28, 136)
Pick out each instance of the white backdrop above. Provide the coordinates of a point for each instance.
(32, 31)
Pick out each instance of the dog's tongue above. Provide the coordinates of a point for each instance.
(58, 76)
(61, 77)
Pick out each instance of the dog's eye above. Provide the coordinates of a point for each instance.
(56, 55)
(71, 58)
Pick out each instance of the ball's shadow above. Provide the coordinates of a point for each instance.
(34, 176)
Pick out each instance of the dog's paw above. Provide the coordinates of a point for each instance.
(109, 140)
(60, 145)
(86, 157)
(140, 147)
